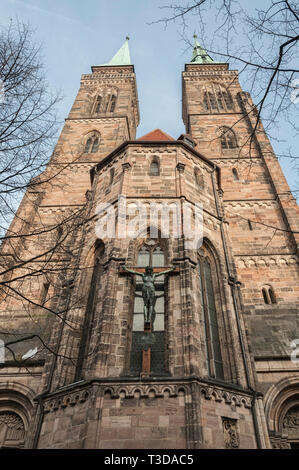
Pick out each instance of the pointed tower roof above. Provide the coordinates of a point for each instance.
(200, 56)
(122, 57)
(156, 134)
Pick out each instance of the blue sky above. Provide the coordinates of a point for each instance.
(77, 34)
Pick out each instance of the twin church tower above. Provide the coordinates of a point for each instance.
(215, 366)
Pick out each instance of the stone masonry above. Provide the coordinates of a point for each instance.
(68, 290)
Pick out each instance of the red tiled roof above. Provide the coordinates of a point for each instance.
(157, 134)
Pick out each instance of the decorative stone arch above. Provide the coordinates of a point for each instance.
(228, 138)
(235, 174)
(88, 260)
(89, 283)
(136, 244)
(216, 98)
(91, 141)
(282, 413)
(94, 248)
(214, 249)
(16, 410)
(103, 100)
(210, 253)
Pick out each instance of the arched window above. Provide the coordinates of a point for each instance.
(12, 430)
(94, 277)
(206, 101)
(154, 167)
(88, 145)
(199, 179)
(268, 295)
(112, 171)
(235, 174)
(212, 100)
(97, 108)
(112, 103)
(228, 139)
(92, 143)
(151, 254)
(208, 303)
(265, 296)
(95, 145)
(272, 296)
(44, 292)
(217, 99)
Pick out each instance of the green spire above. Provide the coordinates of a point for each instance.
(122, 57)
(199, 55)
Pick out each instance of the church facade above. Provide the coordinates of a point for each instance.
(197, 352)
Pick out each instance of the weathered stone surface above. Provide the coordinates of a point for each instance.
(91, 398)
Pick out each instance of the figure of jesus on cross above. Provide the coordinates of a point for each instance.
(148, 291)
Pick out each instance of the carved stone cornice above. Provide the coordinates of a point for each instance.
(66, 399)
(269, 260)
(126, 388)
(239, 161)
(246, 204)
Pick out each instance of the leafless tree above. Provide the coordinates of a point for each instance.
(28, 121)
(30, 276)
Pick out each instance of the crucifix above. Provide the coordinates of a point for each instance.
(148, 275)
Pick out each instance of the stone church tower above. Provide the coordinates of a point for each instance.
(215, 364)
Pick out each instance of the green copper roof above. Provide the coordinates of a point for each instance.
(122, 57)
(199, 55)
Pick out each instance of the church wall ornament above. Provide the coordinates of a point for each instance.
(147, 390)
(265, 260)
(290, 423)
(230, 433)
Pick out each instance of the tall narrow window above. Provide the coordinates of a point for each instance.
(199, 179)
(152, 255)
(268, 295)
(95, 145)
(111, 176)
(250, 224)
(105, 103)
(155, 168)
(220, 100)
(112, 103)
(235, 174)
(205, 101)
(228, 100)
(265, 296)
(213, 102)
(95, 277)
(217, 99)
(272, 296)
(228, 138)
(92, 142)
(97, 108)
(215, 364)
(44, 292)
(88, 145)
